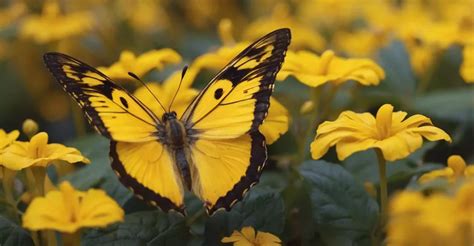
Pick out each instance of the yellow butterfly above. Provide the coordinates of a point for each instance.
(215, 149)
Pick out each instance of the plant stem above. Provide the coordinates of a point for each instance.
(315, 96)
(8, 178)
(383, 188)
(72, 239)
(195, 217)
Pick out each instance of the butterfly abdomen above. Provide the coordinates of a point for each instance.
(177, 142)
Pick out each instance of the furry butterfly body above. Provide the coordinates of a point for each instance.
(214, 149)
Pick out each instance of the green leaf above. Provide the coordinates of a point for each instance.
(395, 61)
(262, 209)
(12, 234)
(97, 174)
(453, 105)
(342, 210)
(141, 228)
(363, 165)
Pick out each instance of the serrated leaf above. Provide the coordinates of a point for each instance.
(141, 228)
(12, 234)
(97, 174)
(262, 209)
(453, 105)
(342, 210)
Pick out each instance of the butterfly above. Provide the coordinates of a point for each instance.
(214, 149)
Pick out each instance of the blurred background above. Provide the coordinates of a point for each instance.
(423, 46)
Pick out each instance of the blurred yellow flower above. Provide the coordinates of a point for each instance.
(467, 66)
(456, 168)
(313, 70)
(68, 210)
(7, 138)
(362, 43)
(422, 57)
(51, 25)
(438, 219)
(167, 90)
(11, 13)
(247, 237)
(37, 152)
(388, 131)
(302, 35)
(146, 16)
(276, 122)
(140, 65)
(219, 58)
(332, 14)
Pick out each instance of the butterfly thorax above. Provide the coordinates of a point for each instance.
(175, 131)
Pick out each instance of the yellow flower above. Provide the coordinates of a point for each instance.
(53, 26)
(7, 138)
(140, 65)
(362, 43)
(68, 210)
(38, 152)
(388, 131)
(456, 168)
(146, 16)
(276, 122)
(467, 66)
(435, 220)
(303, 36)
(313, 70)
(247, 237)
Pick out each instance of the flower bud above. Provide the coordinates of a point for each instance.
(30, 127)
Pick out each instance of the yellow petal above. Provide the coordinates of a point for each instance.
(467, 66)
(249, 233)
(399, 146)
(267, 239)
(384, 120)
(345, 148)
(457, 163)
(7, 138)
(276, 123)
(432, 133)
(435, 174)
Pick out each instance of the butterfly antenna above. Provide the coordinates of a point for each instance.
(185, 68)
(143, 83)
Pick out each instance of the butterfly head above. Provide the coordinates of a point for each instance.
(169, 116)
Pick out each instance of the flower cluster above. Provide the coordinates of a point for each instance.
(66, 210)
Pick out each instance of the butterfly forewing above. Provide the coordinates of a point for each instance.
(110, 109)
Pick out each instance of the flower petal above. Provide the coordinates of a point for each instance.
(276, 123)
(432, 133)
(346, 148)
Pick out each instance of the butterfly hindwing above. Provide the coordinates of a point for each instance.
(225, 169)
(230, 152)
(149, 170)
(110, 109)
